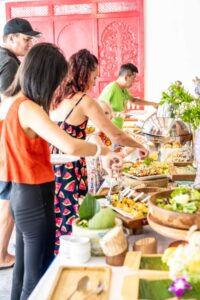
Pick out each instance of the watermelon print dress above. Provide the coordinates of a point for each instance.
(70, 184)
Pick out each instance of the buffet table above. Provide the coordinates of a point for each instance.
(118, 273)
(44, 287)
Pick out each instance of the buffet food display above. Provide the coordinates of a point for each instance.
(133, 208)
(170, 211)
(172, 138)
(179, 209)
(144, 169)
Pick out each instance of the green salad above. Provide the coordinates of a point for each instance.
(183, 199)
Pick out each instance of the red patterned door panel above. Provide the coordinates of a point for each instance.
(112, 30)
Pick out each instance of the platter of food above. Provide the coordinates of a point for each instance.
(145, 170)
(129, 207)
(183, 171)
(175, 152)
(131, 210)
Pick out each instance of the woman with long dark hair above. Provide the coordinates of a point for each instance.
(72, 114)
(25, 161)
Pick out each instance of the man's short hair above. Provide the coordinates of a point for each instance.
(129, 69)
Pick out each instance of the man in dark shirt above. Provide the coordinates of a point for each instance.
(17, 40)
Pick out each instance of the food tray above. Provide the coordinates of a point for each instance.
(131, 283)
(160, 182)
(67, 279)
(141, 178)
(151, 282)
(182, 172)
(134, 224)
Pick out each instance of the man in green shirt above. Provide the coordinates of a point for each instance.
(117, 94)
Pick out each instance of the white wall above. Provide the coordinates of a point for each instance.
(172, 43)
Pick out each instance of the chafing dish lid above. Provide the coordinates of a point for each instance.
(165, 127)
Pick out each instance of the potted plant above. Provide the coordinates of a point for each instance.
(181, 104)
(94, 222)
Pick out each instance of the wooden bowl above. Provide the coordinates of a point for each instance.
(171, 218)
(149, 190)
(177, 243)
(160, 182)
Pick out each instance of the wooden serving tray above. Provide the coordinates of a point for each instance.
(67, 279)
(130, 287)
(132, 223)
(151, 283)
(175, 172)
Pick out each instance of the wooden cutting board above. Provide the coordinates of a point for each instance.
(67, 279)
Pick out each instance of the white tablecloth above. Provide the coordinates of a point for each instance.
(43, 288)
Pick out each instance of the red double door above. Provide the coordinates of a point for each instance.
(112, 30)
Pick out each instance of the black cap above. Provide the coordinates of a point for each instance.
(18, 25)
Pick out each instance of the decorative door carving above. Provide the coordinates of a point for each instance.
(112, 30)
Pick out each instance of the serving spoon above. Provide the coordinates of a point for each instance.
(82, 286)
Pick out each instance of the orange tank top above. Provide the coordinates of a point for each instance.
(23, 159)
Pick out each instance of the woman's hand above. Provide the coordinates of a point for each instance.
(142, 153)
(112, 163)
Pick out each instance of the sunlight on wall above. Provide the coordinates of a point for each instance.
(171, 44)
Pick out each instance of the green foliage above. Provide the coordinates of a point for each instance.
(88, 207)
(192, 114)
(183, 105)
(176, 95)
(153, 263)
(105, 218)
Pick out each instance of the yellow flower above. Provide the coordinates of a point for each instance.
(168, 252)
(194, 266)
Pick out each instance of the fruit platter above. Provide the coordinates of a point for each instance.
(146, 169)
(178, 208)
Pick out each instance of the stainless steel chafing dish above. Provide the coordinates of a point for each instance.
(172, 138)
(165, 129)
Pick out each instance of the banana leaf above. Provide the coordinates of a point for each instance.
(153, 263)
(89, 207)
(158, 290)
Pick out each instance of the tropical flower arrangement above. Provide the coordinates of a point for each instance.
(184, 265)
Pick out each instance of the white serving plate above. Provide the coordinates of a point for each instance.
(57, 159)
(121, 212)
